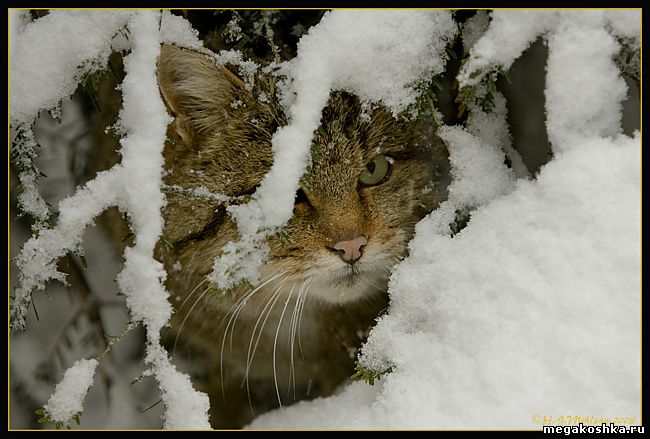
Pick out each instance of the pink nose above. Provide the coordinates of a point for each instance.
(351, 249)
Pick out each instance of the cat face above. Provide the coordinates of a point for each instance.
(369, 183)
(372, 177)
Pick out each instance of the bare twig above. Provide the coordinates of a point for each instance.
(115, 340)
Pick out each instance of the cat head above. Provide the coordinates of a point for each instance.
(372, 177)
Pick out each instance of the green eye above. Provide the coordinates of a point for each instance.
(377, 171)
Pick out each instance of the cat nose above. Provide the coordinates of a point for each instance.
(351, 248)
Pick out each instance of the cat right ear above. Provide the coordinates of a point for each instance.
(193, 89)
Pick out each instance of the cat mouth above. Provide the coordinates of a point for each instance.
(350, 278)
(347, 284)
(357, 280)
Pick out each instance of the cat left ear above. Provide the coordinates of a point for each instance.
(193, 88)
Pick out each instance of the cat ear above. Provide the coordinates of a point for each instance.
(192, 87)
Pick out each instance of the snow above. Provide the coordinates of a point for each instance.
(493, 128)
(582, 107)
(145, 119)
(474, 28)
(39, 80)
(626, 23)
(378, 55)
(478, 172)
(512, 31)
(247, 68)
(386, 53)
(29, 200)
(81, 41)
(37, 258)
(19, 19)
(489, 125)
(177, 30)
(68, 396)
(199, 192)
(233, 31)
(185, 408)
(588, 103)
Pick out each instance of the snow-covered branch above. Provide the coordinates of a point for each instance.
(579, 41)
(134, 186)
(67, 399)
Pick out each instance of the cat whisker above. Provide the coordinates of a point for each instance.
(291, 335)
(245, 300)
(205, 279)
(302, 308)
(292, 339)
(187, 316)
(275, 345)
(241, 303)
(249, 357)
(264, 314)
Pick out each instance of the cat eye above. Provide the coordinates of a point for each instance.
(376, 171)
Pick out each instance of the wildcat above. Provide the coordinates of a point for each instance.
(294, 335)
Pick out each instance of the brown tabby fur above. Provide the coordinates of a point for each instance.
(226, 148)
